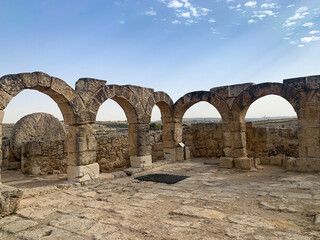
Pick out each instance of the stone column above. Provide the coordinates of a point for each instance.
(81, 147)
(309, 139)
(139, 145)
(1, 119)
(171, 135)
(234, 146)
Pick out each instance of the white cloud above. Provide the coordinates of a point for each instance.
(121, 22)
(183, 14)
(189, 21)
(310, 39)
(251, 4)
(175, 22)
(314, 32)
(233, 7)
(263, 14)
(211, 20)
(175, 4)
(290, 6)
(288, 24)
(300, 13)
(308, 24)
(204, 11)
(270, 5)
(229, 1)
(214, 31)
(151, 12)
(252, 21)
(300, 45)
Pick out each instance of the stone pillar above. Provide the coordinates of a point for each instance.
(1, 119)
(171, 135)
(234, 146)
(81, 147)
(309, 139)
(139, 145)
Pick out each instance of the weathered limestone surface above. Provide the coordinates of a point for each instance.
(36, 127)
(212, 203)
(79, 108)
(9, 200)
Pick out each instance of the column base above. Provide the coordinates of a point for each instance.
(140, 161)
(83, 173)
(240, 163)
(303, 164)
(226, 162)
(169, 154)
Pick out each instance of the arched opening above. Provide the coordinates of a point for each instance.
(202, 130)
(112, 135)
(35, 142)
(156, 139)
(271, 129)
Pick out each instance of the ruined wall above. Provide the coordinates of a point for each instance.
(112, 150)
(43, 157)
(204, 139)
(263, 142)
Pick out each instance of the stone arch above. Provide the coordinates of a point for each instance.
(253, 93)
(165, 104)
(68, 101)
(188, 100)
(122, 95)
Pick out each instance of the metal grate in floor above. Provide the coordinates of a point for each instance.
(162, 178)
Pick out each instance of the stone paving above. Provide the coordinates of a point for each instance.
(212, 204)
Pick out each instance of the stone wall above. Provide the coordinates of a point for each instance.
(204, 139)
(43, 157)
(112, 150)
(264, 142)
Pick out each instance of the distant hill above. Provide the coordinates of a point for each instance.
(204, 120)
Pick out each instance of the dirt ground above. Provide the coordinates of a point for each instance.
(212, 203)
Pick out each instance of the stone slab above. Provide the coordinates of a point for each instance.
(9, 199)
(83, 173)
(198, 212)
(226, 162)
(140, 161)
(243, 163)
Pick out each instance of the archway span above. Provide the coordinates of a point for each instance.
(120, 94)
(250, 95)
(68, 101)
(188, 100)
(164, 103)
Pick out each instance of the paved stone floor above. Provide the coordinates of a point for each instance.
(212, 203)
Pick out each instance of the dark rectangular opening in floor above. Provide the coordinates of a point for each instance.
(162, 178)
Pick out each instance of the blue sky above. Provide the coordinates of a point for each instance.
(176, 46)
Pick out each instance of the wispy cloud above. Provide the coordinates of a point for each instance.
(308, 24)
(151, 12)
(314, 32)
(235, 7)
(211, 20)
(269, 5)
(176, 22)
(252, 21)
(174, 4)
(250, 4)
(187, 10)
(310, 39)
(300, 13)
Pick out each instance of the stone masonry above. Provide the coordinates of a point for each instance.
(79, 108)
